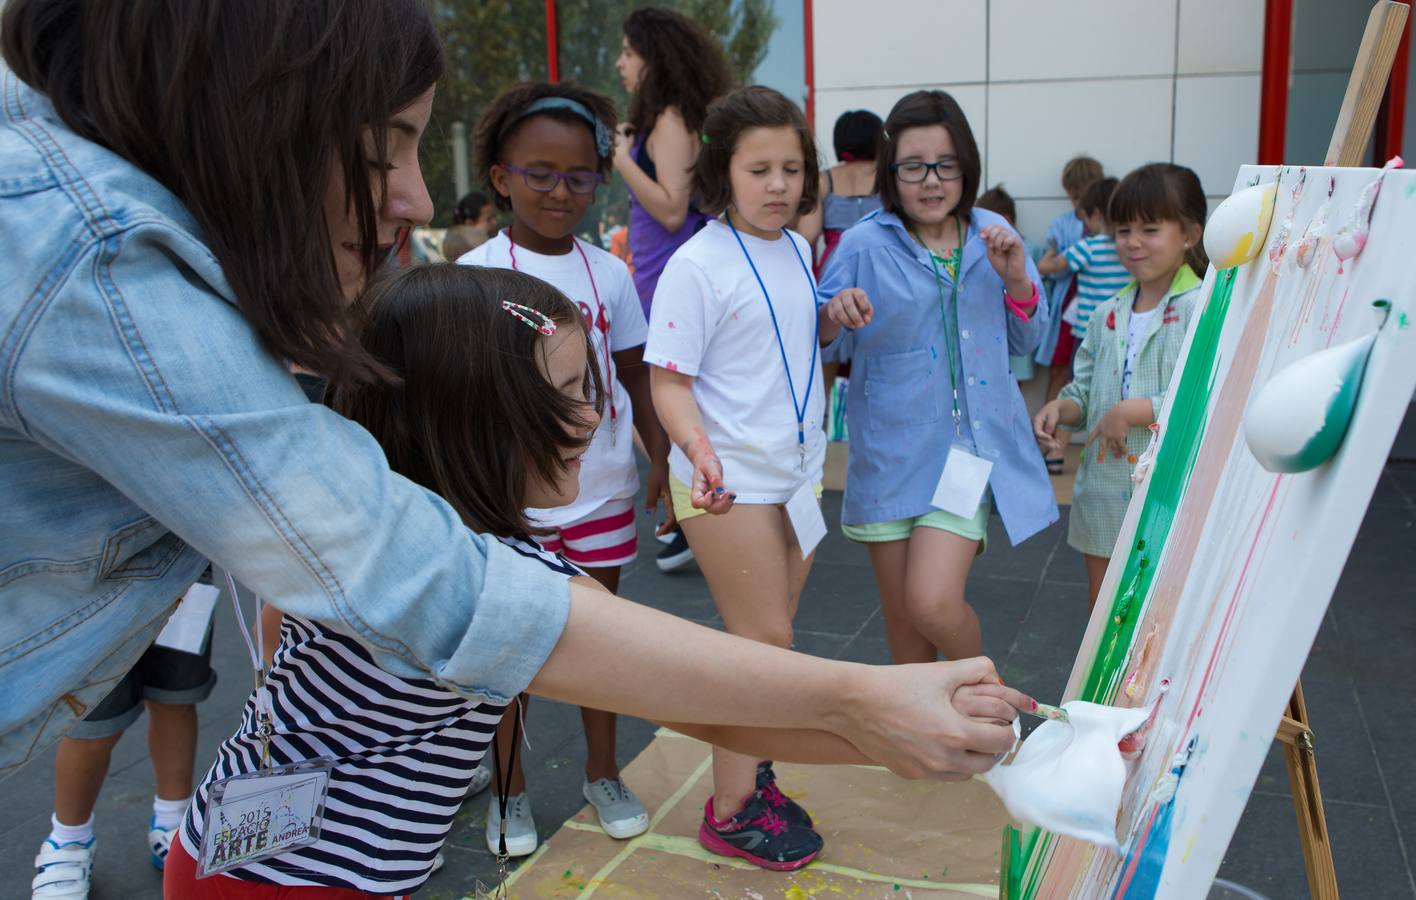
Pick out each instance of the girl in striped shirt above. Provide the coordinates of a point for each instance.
(1093, 260)
(488, 360)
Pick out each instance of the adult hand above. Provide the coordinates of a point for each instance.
(624, 144)
(1110, 434)
(708, 492)
(851, 308)
(657, 490)
(909, 718)
(1045, 427)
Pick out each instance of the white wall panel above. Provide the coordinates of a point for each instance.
(1080, 39)
(1035, 215)
(1035, 128)
(1221, 36)
(1216, 127)
(899, 42)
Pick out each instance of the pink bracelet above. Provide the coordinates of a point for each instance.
(1022, 309)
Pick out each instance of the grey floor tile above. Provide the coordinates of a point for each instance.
(1393, 734)
(1347, 767)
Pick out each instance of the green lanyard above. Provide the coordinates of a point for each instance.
(951, 338)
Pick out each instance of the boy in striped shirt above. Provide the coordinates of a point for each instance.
(1100, 274)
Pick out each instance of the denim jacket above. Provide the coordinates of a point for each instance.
(144, 428)
(898, 405)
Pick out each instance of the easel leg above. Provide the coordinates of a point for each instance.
(1297, 741)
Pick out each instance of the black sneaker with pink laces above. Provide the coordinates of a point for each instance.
(760, 836)
(783, 805)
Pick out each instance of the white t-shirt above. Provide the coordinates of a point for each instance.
(607, 470)
(710, 320)
(1135, 330)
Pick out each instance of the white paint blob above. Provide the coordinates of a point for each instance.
(1236, 230)
(1067, 777)
(1296, 422)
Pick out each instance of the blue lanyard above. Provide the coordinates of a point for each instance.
(799, 409)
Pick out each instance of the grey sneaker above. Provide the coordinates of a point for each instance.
(521, 837)
(621, 814)
(481, 777)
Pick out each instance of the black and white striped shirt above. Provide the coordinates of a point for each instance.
(404, 752)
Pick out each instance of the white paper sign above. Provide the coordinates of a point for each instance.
(804, 511)
(962, 484)
(186, 629)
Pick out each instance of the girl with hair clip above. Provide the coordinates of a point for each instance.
(137, 251)
(1132, 345)
(737, 384)
(543, 149)
(927, 299)
(672, 68)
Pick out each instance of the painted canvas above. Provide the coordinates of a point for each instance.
(1304, 357)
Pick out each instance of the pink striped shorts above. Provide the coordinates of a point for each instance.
(604, 539)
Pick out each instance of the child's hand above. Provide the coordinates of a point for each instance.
(708, 492)
(1045, 427)
(1110, 434)
(657, 489)
(1007, 255)
(850, 308)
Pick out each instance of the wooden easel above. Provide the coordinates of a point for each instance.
(1349, 141)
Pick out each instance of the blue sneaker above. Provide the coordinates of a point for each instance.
(63, 870)
(784, 806)
(760, 836)
(159, 842)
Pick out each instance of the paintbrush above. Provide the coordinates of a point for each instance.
(1047, 711)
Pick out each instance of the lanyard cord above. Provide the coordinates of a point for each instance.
(951, 339)
(504, 783)
(264, 728)
(799, 410)
(601, 323)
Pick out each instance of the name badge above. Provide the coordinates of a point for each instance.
(962, 483)
(804, 511)
(262, 814)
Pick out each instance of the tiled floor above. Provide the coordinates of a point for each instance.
(1359, 683)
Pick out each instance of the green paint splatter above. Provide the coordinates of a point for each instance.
(1411, 189)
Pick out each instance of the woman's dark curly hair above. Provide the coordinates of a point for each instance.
(502, 117)
(684, 68)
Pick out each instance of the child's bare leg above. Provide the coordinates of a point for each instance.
(747, 558)
(889, 559)
(1057, 378)
(599, 725)
(1096, 571)
(80, 766)
(937, 567)
(172, 744)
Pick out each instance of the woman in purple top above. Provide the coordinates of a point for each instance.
(672, 69)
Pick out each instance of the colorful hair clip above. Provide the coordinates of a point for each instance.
(524, 313)
(705, 139)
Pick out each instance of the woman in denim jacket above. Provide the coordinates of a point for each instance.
(190, 193)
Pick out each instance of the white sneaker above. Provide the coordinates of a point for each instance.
(63, 871)
(621, 814)
(159, 842)
(521, 837)
(481, 777)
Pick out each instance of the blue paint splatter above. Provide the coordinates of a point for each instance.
(932, 354)
(1146, 880)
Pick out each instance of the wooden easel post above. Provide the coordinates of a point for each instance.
(1349, 141)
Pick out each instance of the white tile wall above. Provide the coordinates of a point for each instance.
(1035, 128)
(1035, 215)
(1206, 110)
(830, 105)
(1080, 39)
(899, 42)
(1221, 36)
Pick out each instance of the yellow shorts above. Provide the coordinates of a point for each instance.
(683, 499)
(975, 529)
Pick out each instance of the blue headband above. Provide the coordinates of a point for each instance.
(602, 134)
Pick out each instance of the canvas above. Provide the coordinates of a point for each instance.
(1224, 567)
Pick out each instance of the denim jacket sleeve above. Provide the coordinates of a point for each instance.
(138, 369)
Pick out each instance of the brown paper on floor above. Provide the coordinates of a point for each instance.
(885, 837)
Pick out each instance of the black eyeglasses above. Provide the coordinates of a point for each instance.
(915, 172)
(540, 178)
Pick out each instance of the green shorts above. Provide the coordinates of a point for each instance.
(975, 529)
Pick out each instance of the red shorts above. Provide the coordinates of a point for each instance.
(1067, 344)
(179, 882)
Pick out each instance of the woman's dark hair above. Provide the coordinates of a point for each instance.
(470, 415)
(996, 199)
(918, 110)
(503, 116)
(856, 135)
(1097, 197)
(469, 208)
(1163, 192)
(728, 118)
(245, 111)
(683, 68)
